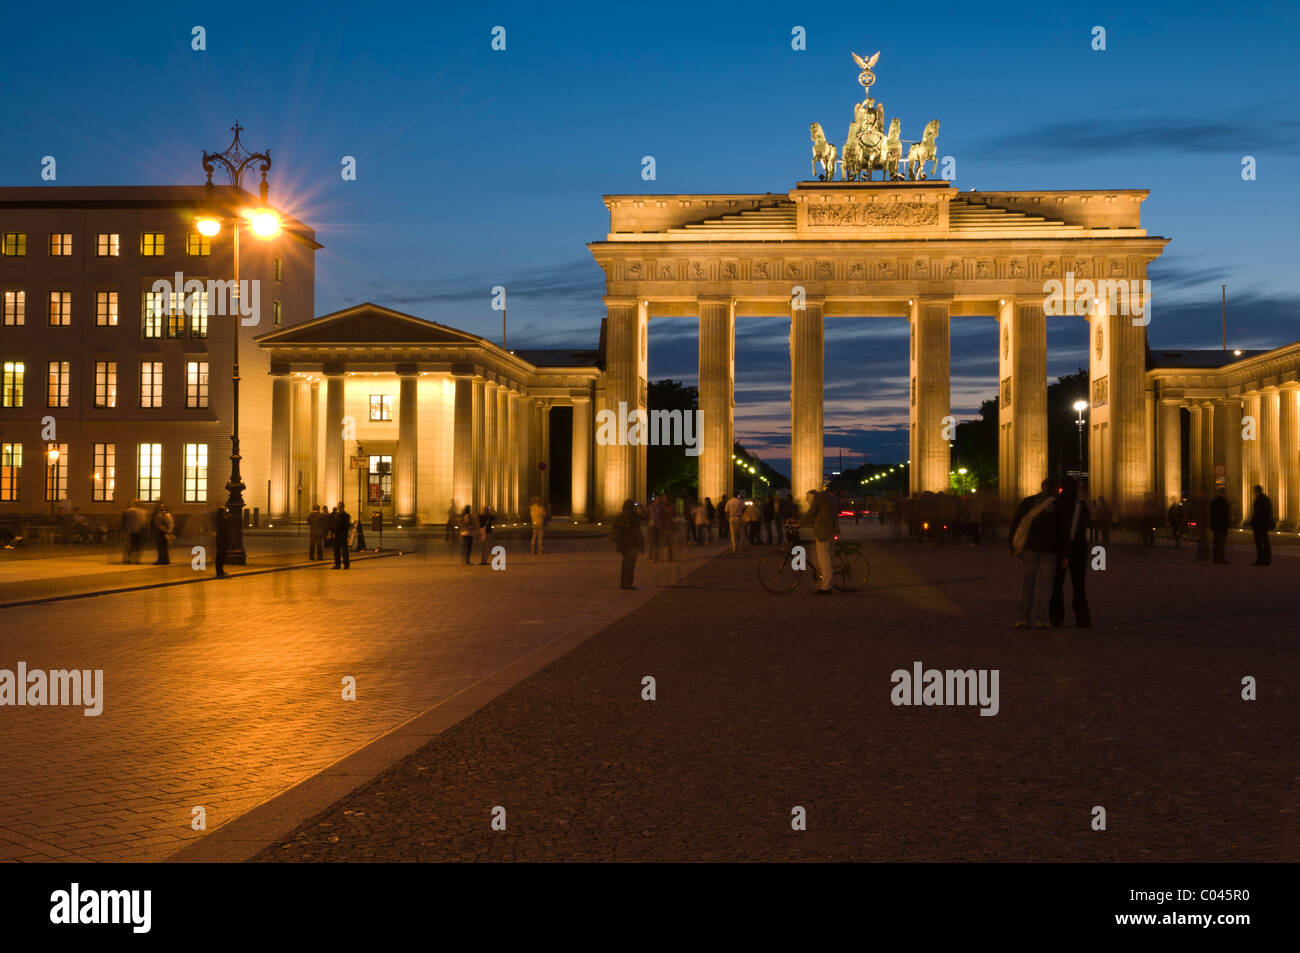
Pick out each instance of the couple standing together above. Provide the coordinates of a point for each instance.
(1050, 535)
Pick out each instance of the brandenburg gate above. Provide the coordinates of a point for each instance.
(903, 248)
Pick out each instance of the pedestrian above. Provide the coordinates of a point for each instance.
(316, 521)
(537, 519)
(1032, 538)
(700, 517)
(627, 538)
(451, 521)
(468, 531)
(340, 524)
(821, 518)
(1177, 521)
(1201, 510)
(1262, 522)
(163, 524)
(1219, 527)
(1147, 521)
(735, 514)
(753, 519)
(665, 527)
(769, 518)
(485, 521)
(221, 538)
(134, 519)
(709, 516)
(653, 527)
(1072, 531)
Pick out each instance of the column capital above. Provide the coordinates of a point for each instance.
(1289, 386)
(332, 370)
(621, 302)
(408, 370)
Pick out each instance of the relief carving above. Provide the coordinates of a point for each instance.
(633, 272)
(857, 272)
(888, 270)
(893, 214)
(824, 270)
(983, 269)
(1017, 268)
(760, 269)
(1051, 268)
(792, 269)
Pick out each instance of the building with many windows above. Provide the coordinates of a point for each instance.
(114, 389)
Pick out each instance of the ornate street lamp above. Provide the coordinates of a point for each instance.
(265, 224)
(1079, 407)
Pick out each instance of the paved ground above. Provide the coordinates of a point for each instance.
(223, 694)
(767, 702)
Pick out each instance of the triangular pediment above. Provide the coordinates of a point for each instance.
(369, 324)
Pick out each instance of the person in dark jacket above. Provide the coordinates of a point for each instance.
(340, 525)
(316, 521)
(1219, 527)
(1262, 522)
(628, 540)
(1177, 522)
(221, 534)
(1073, 523)
(485, 521)
(1039, 555)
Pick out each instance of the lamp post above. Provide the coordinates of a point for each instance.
(52, 457)
(1080, 406)
(265, 225)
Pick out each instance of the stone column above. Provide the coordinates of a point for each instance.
(1207, 449)
(281, 443)
(1289, 453)
(930, 409)
(1195, 449)
(491, 457)
(463, 441)
(1227, 451)
(333, 439)
(807, 357)
(1022, 400)
(624, 341)
(717, 396)
(513, 454)
(581, 453)
(317, 457)
(304, 441)
(480, 446)
(1171, 453)
(544, 411)
(1250, 452)
(1270, 459)
(405, 461)
(534, 449)
(502, 454)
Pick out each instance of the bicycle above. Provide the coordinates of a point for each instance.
(781, 570)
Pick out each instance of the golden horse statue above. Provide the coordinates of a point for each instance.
(823, 152)
(919, 153)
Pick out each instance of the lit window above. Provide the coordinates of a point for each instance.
(277, 268)
(106, 383)
(277, 313)
(60, 243)
(11, 472)
(151, 384)
(60, 309)
(196, 473)
(196, 384)
(15, 307)
(381, 406)
(15, 243)
(106, 309)
(108, 244)
(11, 393)
(104, 480)
(152, 244)
(148, 469)
(197, 303)
(176, 315)
(57, 392)
(381, 479)
(152, 306)
(196, 244)
(56, 472)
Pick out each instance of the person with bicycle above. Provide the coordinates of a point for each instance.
(821, 518)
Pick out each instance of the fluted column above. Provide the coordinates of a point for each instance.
(1171, 453)
(581, 450)
(717, 396)
(1270, 459)
(281, 444)
(1022, 400)
(1195, 449)
(514, 456)
(1289, 455)
(807, 358)
(463, 441)
(303, 440)
(480, 446)
(317, 478)
(333, 439)
(1227, 451)
(929, 400)
(405, 461)
(490, 455)
(1207, 449)
(534, 449)
(1250, 453)
(624, 340)
(502, 453)
(544, 411)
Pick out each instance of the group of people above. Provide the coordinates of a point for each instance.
(137, 521)
(333, 528)
(1050, 533)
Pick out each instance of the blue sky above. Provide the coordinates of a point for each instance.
(477, 168)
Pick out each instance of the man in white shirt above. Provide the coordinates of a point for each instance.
(735, 512)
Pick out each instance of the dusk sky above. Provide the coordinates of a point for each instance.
(478, 168)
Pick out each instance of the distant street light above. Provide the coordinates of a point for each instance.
(1080, 406)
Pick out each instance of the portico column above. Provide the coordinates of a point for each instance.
(304, 441)
(807, 357)
(1250, 452)
(333, 438)
(1171, 453)
(513, 453)
(1270, 460)
(930, 406)
(1022, 400)
(317, 478)
(463, 441)
(1206, 478)
(490, 456)
(534, 449)
(544, 411)
(625, 340)
(480, 444)
(1195, 449)
(717, 396)
(281, 445)
(581, 453)
(1289, 452)
(1227, 451)
(405, 460)
(502, 452)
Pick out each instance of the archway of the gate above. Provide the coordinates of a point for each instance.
(915, 250)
